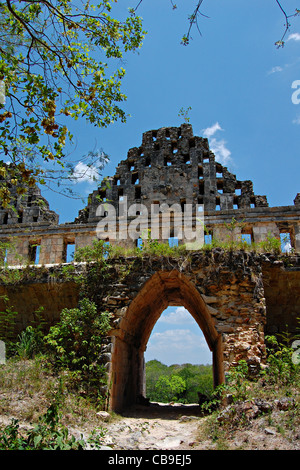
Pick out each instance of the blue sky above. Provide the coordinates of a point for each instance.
(238, 84)
(176, 339)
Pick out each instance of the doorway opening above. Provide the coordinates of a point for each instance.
(178, 361)
(127, 367)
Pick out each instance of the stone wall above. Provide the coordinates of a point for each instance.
(235, 297)
(172, 167)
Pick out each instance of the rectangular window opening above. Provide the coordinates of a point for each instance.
(106, 245)
(173, 241)
(138, 192)
(182, 204)
(135, 178)
(286, 244)
(139, 243)
(130, 166)
(3, 256)
(192, 142)
(208, 239)
(70, 251)
(34, 253)
(102, 194)
(246, 238)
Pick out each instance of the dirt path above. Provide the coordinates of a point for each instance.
(155, 427)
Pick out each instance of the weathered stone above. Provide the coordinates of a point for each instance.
(235, 297)
(104, 415)
(285, 403)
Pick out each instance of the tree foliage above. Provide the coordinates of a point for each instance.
(75, 343)
(57, 63)
(177, 382)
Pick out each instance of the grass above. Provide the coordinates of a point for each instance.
(28, 387)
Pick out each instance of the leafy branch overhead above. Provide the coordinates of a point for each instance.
(57, 63)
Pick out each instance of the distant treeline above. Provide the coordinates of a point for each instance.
(180, 383)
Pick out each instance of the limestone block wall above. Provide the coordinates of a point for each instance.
(235, 297)
(281, 279)
(225, 296)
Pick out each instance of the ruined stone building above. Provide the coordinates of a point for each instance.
(236, 298)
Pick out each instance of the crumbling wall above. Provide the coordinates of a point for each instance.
(26, 206)
(175, 167)
(171, 167)
(234, 296)
(223, 291)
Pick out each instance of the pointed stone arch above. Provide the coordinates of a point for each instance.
(164, 288)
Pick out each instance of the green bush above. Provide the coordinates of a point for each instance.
(169, 388)
(75, 344)
(98, 252)
(7, 326)
(282, 369)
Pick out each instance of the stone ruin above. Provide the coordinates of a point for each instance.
(172, 166)
(235, 298)
(175, 167)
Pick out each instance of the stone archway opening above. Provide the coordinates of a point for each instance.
(163, 289)
(177, 347)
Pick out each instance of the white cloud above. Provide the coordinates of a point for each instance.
(297, 120)
(84, 173)
(210, 131)
(294, 37)
(218, 147)
(178, 346)
(177, 317)
(177, 340)
(222, 154)
(275, 69)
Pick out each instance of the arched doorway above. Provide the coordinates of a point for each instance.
(127, 378)
(178, 361)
